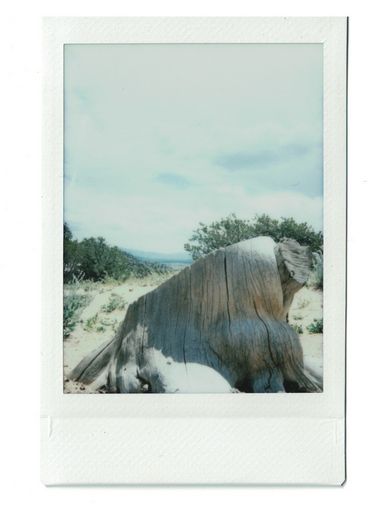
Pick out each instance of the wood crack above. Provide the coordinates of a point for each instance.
(227, 294)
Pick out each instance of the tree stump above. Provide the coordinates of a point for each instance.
(216, 326)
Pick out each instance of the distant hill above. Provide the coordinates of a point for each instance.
(162, 258)
(141, 267)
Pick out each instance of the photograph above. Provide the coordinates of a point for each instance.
(193, 218)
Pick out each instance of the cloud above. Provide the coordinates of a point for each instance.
(164, 223)
(295, 166)
(251, 158)
(173, 180)
(161, 137)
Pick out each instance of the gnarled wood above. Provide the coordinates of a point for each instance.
(216, 326)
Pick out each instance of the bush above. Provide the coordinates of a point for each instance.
(93, 259)
(72, 269)
(316, 327)
(91, 322)
(231, 229)
(298, 328)
(72, 303)
(115, 302)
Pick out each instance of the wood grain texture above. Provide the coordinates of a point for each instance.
(216, 326)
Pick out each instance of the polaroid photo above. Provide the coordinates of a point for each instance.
(194, 274)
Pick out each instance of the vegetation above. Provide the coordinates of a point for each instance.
(298, 328)
(316, 327)
(231, 229)
(115, 302)
(93, 259)
(73, 303)
(91, 322)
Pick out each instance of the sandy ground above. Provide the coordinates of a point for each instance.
(97, 325)
(307, 306)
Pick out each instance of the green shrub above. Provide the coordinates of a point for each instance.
(72, 266)
(298, 328)
(93, 259)
(91, 322)
(72, 303)
(316, 327)
(231, 229)
(115, 302)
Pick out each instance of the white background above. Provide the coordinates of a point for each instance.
(20, 96)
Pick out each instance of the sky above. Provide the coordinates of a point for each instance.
(160, 137)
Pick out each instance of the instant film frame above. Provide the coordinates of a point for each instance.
(202, 438)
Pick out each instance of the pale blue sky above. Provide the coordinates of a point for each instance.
(161, 137)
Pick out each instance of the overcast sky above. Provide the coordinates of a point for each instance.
(161, 137)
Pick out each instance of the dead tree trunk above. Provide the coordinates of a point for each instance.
(217, 326)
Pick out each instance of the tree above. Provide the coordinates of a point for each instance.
(93, 259)
(231, 229)
(68, 236)
(71, 256)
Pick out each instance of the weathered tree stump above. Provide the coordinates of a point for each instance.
(216, 326)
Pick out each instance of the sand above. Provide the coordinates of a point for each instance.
(307, 306)
(95, 325)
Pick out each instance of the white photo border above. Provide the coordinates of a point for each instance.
(195, 438)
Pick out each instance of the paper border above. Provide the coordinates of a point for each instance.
(92, 439)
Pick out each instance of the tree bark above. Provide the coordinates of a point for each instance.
(216, 326)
